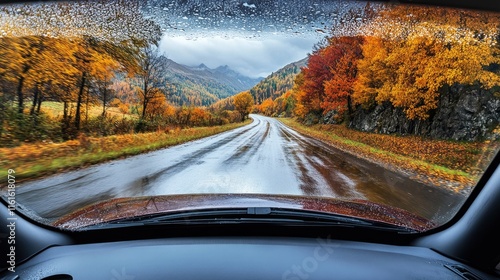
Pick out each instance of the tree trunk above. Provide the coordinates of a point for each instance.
(87, 106)
(65, 125)
(65, 110)
(145, 101)
(2, 115)
(39, 103)
(104, 97)
(35, 100)
(349, 106)
(20, 97)
(79, 102)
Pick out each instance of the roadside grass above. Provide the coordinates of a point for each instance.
(450, 164)
(38, 159)
(55, 110)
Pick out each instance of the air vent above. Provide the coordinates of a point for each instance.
(59, 277)
(464, 272)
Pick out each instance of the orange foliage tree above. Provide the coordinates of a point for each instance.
(339, 88)
(267, 107)
(199, 117)
(157, 104)
(310, 82)
(326, 83)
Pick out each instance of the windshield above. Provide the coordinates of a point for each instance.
(118, 109)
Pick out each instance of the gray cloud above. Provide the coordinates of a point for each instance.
(253, 57)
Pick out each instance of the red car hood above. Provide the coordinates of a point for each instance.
(118, 208)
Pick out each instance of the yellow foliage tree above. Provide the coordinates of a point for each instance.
(199, 117)
(425, 51)
(243, 103)
(373, 73)
(267, 107)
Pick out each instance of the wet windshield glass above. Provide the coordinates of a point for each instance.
(115, 109)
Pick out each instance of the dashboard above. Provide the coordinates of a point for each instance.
(242, 258)
(466, 248)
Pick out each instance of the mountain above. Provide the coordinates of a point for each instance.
(273, 86)
(278, 82)
(202, 86)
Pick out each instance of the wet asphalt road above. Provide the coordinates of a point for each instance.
(262, 157)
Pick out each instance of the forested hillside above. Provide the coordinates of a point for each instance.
(269, 91)
(279, 82)
(202, 86)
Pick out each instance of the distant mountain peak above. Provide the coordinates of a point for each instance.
(224, 68)
(219, 69)
(201, 67)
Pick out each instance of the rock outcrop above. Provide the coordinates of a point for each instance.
(464, 113)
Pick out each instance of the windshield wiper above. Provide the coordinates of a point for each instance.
(276, 216)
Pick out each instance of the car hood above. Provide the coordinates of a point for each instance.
(119, 208)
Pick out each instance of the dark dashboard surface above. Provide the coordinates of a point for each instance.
(241, 258)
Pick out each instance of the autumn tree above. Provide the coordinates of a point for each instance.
(104, 93)
(326, 83)
(123, 29)
(373, 72)
(37, 68)
(157, 105)
(289, 102)
(300, 110)
(151, 75)
(199, 117)
(426, 50)
(339, 89)
(93, 63)
(312, 78)
(24, 60)
(243, 103)
(67, 60)
(222, 105)
(267, 107)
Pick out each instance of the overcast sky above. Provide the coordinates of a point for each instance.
(252, 37)
(253, 57)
